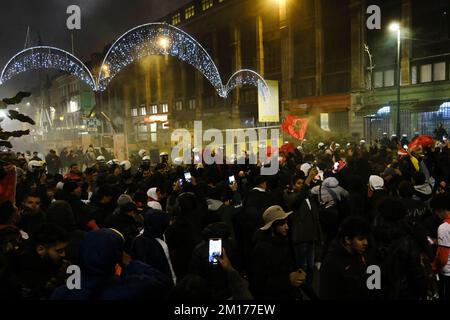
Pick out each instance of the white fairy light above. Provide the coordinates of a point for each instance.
(135, 44)
(44, 57)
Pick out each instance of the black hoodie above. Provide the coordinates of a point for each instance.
(146, 248)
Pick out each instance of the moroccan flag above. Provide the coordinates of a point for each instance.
(295, 127)
(421, 142)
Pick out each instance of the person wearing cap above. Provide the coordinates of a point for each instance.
(376, 193)
(273, 274)
(125, 219)
(343, 273)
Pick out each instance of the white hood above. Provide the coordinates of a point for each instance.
(152, 194)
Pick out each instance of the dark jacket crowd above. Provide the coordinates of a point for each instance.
(360, 222)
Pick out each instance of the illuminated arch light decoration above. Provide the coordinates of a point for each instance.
(44, 57)
(247, 77)
(164, 39)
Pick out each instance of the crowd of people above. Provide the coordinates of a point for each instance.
(68, 156)
(309, 232)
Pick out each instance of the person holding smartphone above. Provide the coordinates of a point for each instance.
(273, 274)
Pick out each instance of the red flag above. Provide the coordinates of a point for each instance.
(295, 127)
(287, 148)
(421, 142)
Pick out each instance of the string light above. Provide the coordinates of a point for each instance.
(164, 39)
(135, 44)
(44, 57)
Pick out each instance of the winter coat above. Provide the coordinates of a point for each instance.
(399, 256)
(146, 248)
(272, 263)
(100, 252)
(343, 275)
(305, 223)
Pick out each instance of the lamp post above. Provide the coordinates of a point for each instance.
(395, 27)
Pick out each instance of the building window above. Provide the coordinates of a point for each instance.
(439, 71)
(389, 78)
(165, 108)
(179, 106)
(143, 128)
(383, 79)
(73, 106)
(142, 132)
(414, 75)
(153, 130)
(324, 121)
(191, 104)
(143, 111)
(154, 109)
(378, 79)
(425, 73)
(134, 112)
(189, 12)
(176, 19)
(206, 4)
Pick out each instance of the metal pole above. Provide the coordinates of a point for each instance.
(398, 82)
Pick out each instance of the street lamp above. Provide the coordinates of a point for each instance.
(164, 43)
(395, 27)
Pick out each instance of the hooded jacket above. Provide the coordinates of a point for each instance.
(153, 199)
(147, 248)
(326, 196)
(423, 192)
(100, 252)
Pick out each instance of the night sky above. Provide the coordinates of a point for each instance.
(102, 21)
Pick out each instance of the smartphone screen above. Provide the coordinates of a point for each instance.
(180, 182)
(231, 179)
(215, 250)
(187, 176)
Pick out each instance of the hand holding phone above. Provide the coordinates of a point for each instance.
(231, 180)
(187, 177)
(215, 250)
